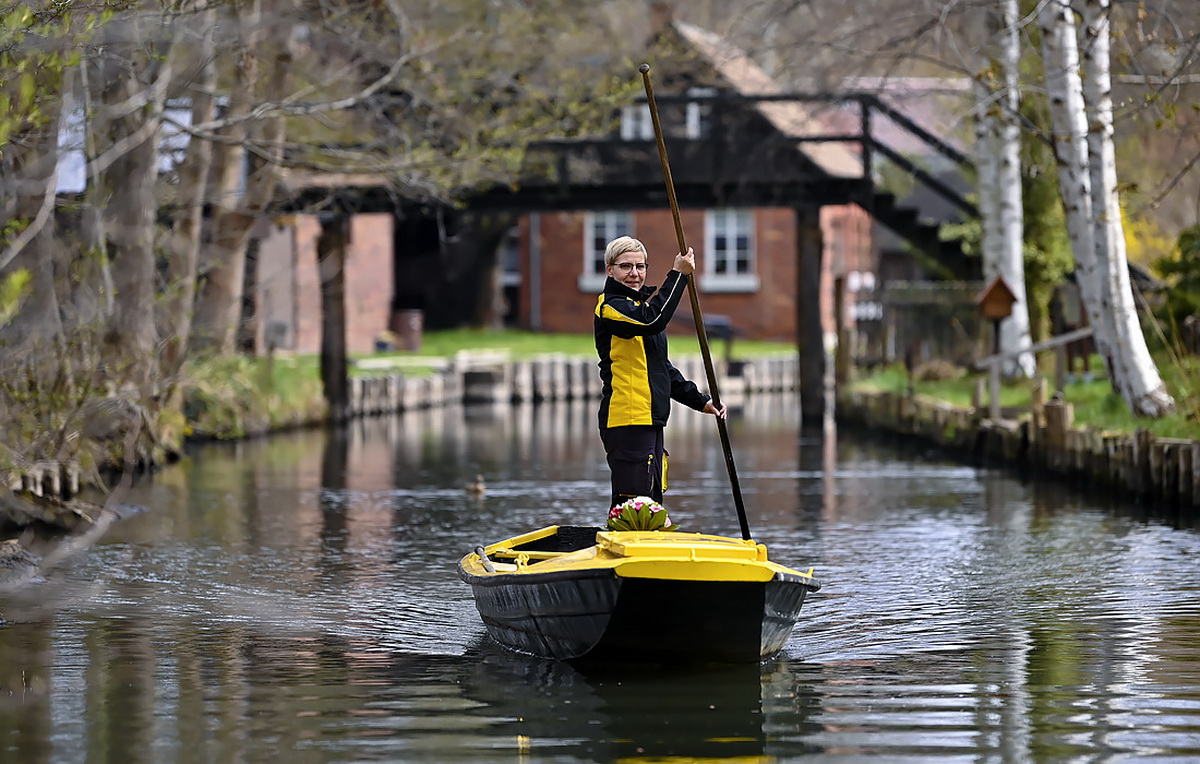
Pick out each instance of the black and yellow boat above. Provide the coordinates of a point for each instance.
(578, 593)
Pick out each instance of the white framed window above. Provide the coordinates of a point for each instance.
(729, 256)
(599, 228)
(699, 113)
(636, 123)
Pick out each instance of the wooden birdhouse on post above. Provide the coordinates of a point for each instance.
(995, 303)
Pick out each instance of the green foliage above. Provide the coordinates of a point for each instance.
(13, 289)
(1095, 403)
(525, 344)
(480, 82)
(231, 397)
(43, 392)
(1048, 256)
(35, 49)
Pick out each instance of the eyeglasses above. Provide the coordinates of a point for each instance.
(627, 267)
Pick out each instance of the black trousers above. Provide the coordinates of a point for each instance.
(637, 461)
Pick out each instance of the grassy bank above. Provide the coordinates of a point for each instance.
(1095, 403)
(523, 345)
(239, 396)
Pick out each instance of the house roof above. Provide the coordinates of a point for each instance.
(792, 118)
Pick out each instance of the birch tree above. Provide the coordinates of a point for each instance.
(1082, 133)
(1131, 367)
(998, 162)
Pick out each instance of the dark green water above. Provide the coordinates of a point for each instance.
(295, 600)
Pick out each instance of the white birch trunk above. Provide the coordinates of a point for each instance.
(1130, 366)
(1060, 54)
(1010, 263)
(987, 166)
(998, 161)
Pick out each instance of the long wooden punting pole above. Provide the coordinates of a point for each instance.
(722, 427)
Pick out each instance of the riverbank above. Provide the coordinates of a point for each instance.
(249, 398)
(1044, 441)
(50, 493)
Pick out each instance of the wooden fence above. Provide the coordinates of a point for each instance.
(1140, 467)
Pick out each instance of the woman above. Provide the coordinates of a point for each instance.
(639, 381)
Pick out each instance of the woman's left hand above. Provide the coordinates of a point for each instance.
(709, 408)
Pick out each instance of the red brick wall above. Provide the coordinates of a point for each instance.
(275, 294)
(307, 285)
(563, 307)
(848, 247)
(369, 282)
(769, 313)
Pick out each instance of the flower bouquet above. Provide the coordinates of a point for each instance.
(640, 513)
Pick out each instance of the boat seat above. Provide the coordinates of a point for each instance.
(533, 555)
(567, 538)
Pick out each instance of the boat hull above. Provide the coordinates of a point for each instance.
(599, 608)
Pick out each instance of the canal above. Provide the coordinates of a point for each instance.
(294, 599)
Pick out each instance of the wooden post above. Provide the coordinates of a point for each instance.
(994, 391)
(1059, 418)
(331, 259)
(841, 361)
(1195, 473)
(1037, 418)
(809, 332)
(1186, 466)
(1060, 368)
(1038, 402)
(1141, 462)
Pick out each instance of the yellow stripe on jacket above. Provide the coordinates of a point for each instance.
(630, 401)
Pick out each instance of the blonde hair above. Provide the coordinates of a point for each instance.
(620, 246)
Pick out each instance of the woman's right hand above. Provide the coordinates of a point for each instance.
(685, 263)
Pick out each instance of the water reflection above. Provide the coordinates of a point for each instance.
(711, 713)
(296, 597)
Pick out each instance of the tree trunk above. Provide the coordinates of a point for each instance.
(490, 233)
(810, 334)
(221, 271)
(1132, 369)
(1014, 331)
(998, 152)
(219, 309)
(183, 250)
(126, 181)
(27, 194)
(1064, 89)
(987, 165)
(331, 260)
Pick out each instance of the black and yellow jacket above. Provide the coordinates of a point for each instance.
(638, 380)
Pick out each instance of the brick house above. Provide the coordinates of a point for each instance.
(287, 285)
(756, 293)
(774, 197)
(748, 253)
